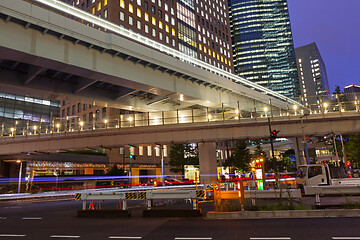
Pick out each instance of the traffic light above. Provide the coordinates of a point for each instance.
(274, 133)
(133, 156)
(348, 164)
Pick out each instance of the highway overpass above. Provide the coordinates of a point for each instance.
(199, 132)
(46, 54)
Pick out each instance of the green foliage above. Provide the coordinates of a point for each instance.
(115, 171)
(352, 148)
(285, 163)
(181, 155)
(240, 157)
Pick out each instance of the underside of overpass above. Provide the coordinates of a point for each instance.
(44, 54)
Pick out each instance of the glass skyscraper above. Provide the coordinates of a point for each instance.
(263, 48)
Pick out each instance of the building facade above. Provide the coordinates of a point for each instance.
(263, 48)
(198, 28)
(312, 75)
(21, 114)
(352, 92)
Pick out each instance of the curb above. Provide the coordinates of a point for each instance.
(172, 213)
(286, 214)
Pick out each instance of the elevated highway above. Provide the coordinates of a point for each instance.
(200, 132)
(46, 54)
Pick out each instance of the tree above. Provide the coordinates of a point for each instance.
(285, 163)
(352, 148)
(115, 171)
(181, 155)
(240, 157)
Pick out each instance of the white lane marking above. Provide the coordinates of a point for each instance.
(12, 235)
(117, 237)
(64, 236)
(193, 238)
(346, 238)
(270, 238)
(3, 218)
(32, 218)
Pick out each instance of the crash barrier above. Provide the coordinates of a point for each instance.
(331, 190)
(140, 195)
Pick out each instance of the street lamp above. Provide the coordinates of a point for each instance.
(325, 106)
(106, 122)
(56, 179)
(304, 140)
(81, 125)
(295, 108)
(58, 127)
(20, 171)
(265, 110)
(35, 127)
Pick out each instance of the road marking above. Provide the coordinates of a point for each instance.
(116, 237)
(31, 218)
(12, 235)
(270, 238)
(346, 238)
(64, 236)
(3, 218)
(193, 238)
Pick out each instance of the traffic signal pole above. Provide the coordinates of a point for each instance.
(272, 151)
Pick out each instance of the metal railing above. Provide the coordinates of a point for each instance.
(186, 116)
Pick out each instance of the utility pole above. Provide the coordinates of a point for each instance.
(272, 150)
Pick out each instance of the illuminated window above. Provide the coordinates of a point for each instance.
(131, 22)
(146, 17)
(99, 6)
(217, 56)
(141, 150)
(122, 16)
(146, 28)
(139, 13)
(173, 32)
(160, 25)
(222, 59)
(225, 61)
(122, 3)
(205, 49)
(149, 150)
(154, 32)
(105, 2)
(138, 2)
(167, 28)
(200, 47)
(213, 54)
(138, 24)
(229, 63)
(209, 51)
(131, 9)
(93, 10)
(153, 21)
(160, 36)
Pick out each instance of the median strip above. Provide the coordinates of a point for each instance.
(32, 218)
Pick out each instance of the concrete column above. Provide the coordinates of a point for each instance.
(299, 150)
(207, 162)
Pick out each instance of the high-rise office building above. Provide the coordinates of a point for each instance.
(352, 92)
(263, 48)
(312, 75)
(198, 28)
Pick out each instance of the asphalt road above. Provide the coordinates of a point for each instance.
(57, 220)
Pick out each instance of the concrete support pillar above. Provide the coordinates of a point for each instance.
(207, 162)
(299, 150)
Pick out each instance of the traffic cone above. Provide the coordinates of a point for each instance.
(91, 206)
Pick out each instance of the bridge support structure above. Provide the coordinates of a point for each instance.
(207, 161)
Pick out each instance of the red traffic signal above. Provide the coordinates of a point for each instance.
(348, 164)
(274, 133)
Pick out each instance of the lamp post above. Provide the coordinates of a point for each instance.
(303, 132)
(56, 179)
(20, 171)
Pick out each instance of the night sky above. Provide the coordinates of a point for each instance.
(335, 27)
